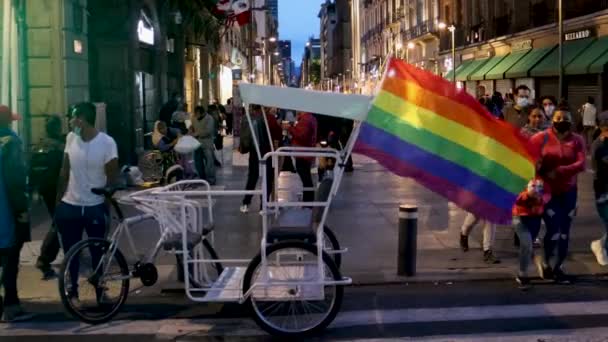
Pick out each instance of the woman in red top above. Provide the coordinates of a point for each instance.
(304, 134)
(562, 158)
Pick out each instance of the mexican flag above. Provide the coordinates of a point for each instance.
(236, 11)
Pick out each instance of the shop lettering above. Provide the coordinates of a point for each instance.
(577, 35)
(522, 45)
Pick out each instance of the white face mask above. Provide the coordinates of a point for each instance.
(549, 110)
(522, 102)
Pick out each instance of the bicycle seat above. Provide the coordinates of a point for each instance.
(107, 191)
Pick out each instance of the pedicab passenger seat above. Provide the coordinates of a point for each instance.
(298, 223)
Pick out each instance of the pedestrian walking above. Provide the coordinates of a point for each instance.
(54, 146)
(14, 216)
(261, 135)
(90, 161)
(204, 130)
(589, 115)
(489, 233)
(518, 114)
(562, 158)
(304, 134)
(229, 117)
(599, 155)
(548, 105)
(527, 216)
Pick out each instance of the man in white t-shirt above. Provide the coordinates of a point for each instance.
(90, 161)
(589, 113)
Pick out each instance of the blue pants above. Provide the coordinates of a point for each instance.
(72, 221)
(558, 219)
(527, 228)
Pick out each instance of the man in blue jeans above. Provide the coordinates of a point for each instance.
(90, 161)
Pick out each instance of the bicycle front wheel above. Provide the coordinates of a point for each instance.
(94, 281)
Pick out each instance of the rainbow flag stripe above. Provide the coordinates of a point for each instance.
(421, 126)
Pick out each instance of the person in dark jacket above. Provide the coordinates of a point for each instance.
(54, 145)
(14, 216)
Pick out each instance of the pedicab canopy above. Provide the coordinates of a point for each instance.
(421, 126)
(354, 107)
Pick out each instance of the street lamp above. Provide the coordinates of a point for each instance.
(410, 46)
(272, 39)
(452, 29)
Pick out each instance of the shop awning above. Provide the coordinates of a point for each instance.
(599, 65)
(498, 72)
(490, 64)
(549, 65)
(523, 66)
(584, 62)
(471, 68)
(459, 68)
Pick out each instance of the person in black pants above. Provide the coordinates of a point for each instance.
(254, 164)
(47, 188)
(304, 134)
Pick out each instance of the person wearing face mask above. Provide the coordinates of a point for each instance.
(562, 158)
(518, 114)
(90, 161)
(548, 106)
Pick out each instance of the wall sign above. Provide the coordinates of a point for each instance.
(145, 30)
(581, 34)
(522, 45)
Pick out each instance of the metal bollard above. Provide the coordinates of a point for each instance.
(408, 233)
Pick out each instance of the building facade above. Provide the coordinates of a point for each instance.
(502, 44)
(336, 45)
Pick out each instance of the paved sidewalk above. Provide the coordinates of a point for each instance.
(364, 218)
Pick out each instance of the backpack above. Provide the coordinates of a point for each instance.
(246, 140)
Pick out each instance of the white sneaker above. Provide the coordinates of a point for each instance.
(599, 250)
(244, 208)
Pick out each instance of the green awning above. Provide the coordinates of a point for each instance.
(581, 64)
(459, 68)
(592, 60)
(498, 72)
(598, 66)
(549, 65)
(521, 68)
(471, 68)
(481, 72)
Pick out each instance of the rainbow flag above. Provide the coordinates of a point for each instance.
(421, 126)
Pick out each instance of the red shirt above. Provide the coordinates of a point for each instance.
(566, 158)
(304, 133)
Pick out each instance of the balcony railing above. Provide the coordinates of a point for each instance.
(425, 27)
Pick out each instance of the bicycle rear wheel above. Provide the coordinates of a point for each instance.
(94, 281)
(299, 307)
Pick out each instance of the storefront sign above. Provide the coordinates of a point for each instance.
(582, 34)
(145, 31)
(521, 45)
(77, 46)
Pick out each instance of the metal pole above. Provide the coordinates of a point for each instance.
(24, 97)
(408, 233)
(407, 55)
(251, 46)
(561, 50)
(453, 31)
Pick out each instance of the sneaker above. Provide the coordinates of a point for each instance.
(15, 313)
(48, 272)
(464, 243)
(544, 271)
(562, 278)
(73, 299)
(600, 252)
(523, 282)
(244, 208)
(489, 258)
